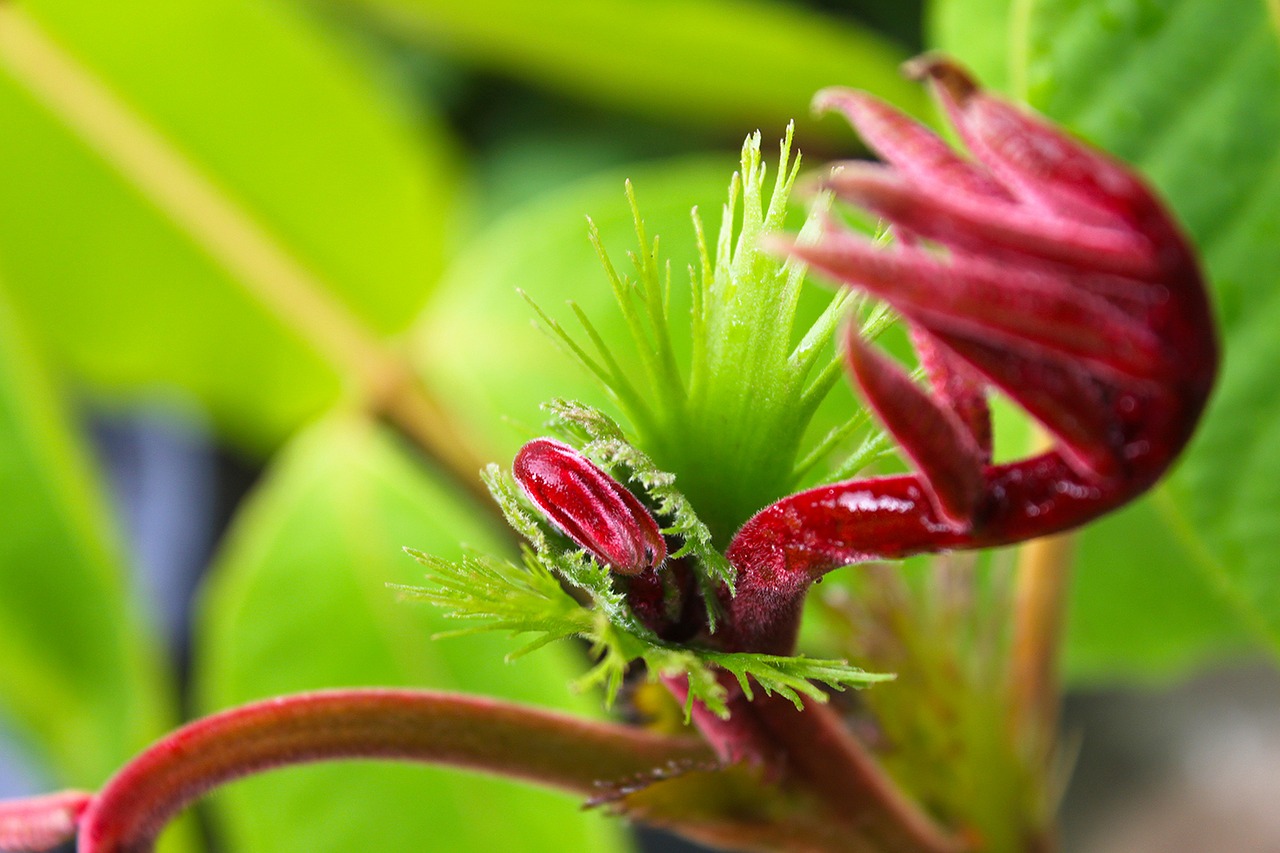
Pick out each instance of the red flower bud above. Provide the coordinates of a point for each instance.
(592, 508)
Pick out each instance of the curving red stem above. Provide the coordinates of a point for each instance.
(41, 823)
(128, 814)
(1064, 283)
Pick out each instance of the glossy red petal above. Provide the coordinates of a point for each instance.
(592, 508)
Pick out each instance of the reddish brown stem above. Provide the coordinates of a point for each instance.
(479, 734)
(830, 761)
(39, 823)
(812, 750)
(1040, 600)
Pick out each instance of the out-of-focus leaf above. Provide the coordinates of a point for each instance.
(1149, 618)
(299, 600)
(208, 194)
(78, 677)
(479, 344)
(1187, 91)
(979, 32)
(707, 61)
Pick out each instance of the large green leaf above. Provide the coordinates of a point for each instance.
(79, 677)
(299, 600)
(745, 63)
(1141, 608)
(982, 33)
(208, 194)
(1188, 91)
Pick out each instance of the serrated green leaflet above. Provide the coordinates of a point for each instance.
(501, 596)
(527, 598)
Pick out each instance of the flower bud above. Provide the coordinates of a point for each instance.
(592, 508)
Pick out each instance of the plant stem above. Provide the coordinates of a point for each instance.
(823, 755)
(480, 734)
(1041, 585)
(812, 750)
(1042, 578)
(39, 823)
(1040, 591)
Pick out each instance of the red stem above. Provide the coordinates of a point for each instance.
(39, 823)
(475, 733)
(834, 764)
(812, 750)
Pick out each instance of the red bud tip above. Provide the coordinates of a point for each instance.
(592, 508)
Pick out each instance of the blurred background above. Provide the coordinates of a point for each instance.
(231, 231)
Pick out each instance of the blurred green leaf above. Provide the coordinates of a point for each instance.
(299, 600)
(1141, 609)
(1186, 90)
(722, 62)
(209, 194)
(979, 32)
(78, 676)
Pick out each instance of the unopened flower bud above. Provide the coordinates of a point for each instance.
(592, 508)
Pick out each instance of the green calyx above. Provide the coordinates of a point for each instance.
(730, 423)
(719, 424)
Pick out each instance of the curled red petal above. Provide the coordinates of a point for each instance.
(943, 448)
(914, 150)
(956, 385)
(1042, 267)
(1027, 309)
(986, 226)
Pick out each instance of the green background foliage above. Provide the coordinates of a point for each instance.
(282, 194)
